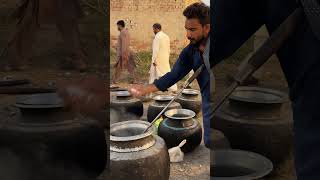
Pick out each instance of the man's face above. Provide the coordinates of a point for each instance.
(195, 31)
(155, 30)
(119, 27)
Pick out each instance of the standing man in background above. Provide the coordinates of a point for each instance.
(124, 55)
(160, 55)
(31, 14)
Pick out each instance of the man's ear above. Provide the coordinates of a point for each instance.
(206, 28)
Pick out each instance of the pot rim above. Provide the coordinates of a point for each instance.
(124, 93)
(39, 101)
(191, 92)
(189, 114)
(280, 96)
(264, 169)
(163, 97)
(126, 124)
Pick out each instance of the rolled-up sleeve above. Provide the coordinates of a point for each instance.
(179, 70)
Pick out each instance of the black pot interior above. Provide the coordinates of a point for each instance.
(128, 131)
(236, 165)
(231, 171)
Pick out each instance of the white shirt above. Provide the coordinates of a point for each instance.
(160, 56)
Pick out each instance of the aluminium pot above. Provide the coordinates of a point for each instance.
(136, 155)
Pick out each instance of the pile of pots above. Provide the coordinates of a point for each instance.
(131, 148)
(178, 122)
(256, 122)
(42, 135)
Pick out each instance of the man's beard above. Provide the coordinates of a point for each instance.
(197, 42)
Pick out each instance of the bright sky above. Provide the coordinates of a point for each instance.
(207, 2)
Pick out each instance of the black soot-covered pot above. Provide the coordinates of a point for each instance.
(126, 105)
(47, 142)
(159, 103)
(190, 99)
(180, 125)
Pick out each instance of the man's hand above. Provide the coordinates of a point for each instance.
(87, 96)
(139, 90)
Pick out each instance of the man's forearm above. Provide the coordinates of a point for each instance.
(151, 88)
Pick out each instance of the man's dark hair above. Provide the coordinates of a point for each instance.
(121, 23)
(157, 26)
(199, 11)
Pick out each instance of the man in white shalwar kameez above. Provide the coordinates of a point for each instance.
(160, 55)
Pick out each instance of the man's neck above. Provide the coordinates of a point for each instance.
(202, 45)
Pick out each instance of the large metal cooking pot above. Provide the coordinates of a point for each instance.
(43, 136)
(135, 155)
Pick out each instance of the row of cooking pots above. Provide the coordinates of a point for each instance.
(253, 119)
(146, 154)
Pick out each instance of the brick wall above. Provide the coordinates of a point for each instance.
(141, 15)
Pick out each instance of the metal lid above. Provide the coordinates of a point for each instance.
(190, 92)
